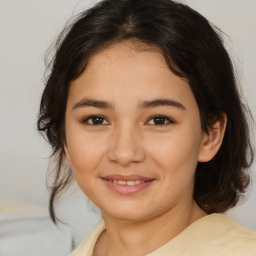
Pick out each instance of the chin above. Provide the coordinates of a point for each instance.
(128, 217)
(130, 214)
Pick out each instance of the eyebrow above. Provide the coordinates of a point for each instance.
(142, 105)
(92, 103)
(162, 102)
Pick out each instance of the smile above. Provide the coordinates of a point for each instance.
(127, 185)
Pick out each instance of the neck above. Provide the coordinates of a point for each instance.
(130, 237)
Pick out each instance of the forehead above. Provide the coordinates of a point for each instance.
(126, 49)
(125, 58)
(126, 71)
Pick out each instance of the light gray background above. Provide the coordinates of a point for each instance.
(27, 27)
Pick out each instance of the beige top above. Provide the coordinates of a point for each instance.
(212, 235)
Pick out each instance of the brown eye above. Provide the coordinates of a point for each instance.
(160, 120)
(95, 120)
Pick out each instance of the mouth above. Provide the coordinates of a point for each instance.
(127, 184)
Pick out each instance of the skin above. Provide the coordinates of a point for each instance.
(129, 141)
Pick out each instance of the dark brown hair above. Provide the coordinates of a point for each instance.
(192, 49)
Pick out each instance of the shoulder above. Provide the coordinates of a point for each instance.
(87, 245)
(223, 226)
(215, 234)
(227, 233)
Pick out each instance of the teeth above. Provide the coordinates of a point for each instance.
(128, 183)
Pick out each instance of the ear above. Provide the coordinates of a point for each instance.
(213, 140)
(67, 156)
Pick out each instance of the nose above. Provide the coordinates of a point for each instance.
(126, 146)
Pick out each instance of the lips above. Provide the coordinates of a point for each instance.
(126, 178)
(127, 184)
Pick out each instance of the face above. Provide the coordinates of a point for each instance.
(133, 134)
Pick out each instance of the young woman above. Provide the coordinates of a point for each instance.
(143, 105)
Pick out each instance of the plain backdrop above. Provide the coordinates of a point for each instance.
(27, 28)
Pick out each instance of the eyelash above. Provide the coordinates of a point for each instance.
(85, 121)
(169, 120)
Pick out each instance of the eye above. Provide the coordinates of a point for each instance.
(160, 120)
(95, 120)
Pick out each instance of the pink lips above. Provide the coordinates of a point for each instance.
(127, 184)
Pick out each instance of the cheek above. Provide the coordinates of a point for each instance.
(177, 151)
(85, 153)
